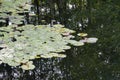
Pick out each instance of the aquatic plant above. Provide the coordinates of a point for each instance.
(19, 45)
(14, 10)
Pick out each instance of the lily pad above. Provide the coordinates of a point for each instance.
(82, 34)
(75, 43)
(27, 66)
(89, 40)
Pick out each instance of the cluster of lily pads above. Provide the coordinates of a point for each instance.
(11, 10)
(20, 45)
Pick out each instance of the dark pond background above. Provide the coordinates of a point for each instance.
(99, 61)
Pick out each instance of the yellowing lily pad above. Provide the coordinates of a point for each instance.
(82, 34)
(27, 66)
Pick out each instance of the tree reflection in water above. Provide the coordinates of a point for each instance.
(46, 69)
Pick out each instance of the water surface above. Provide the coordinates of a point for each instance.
(99, 61)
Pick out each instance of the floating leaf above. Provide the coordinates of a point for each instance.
(91, 40)
(61, 55)
(27, 66)
(82, 34)
(46, 56)
(75, 43)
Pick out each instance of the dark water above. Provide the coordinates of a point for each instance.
(99, 61)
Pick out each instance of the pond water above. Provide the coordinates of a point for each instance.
(99, 61)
